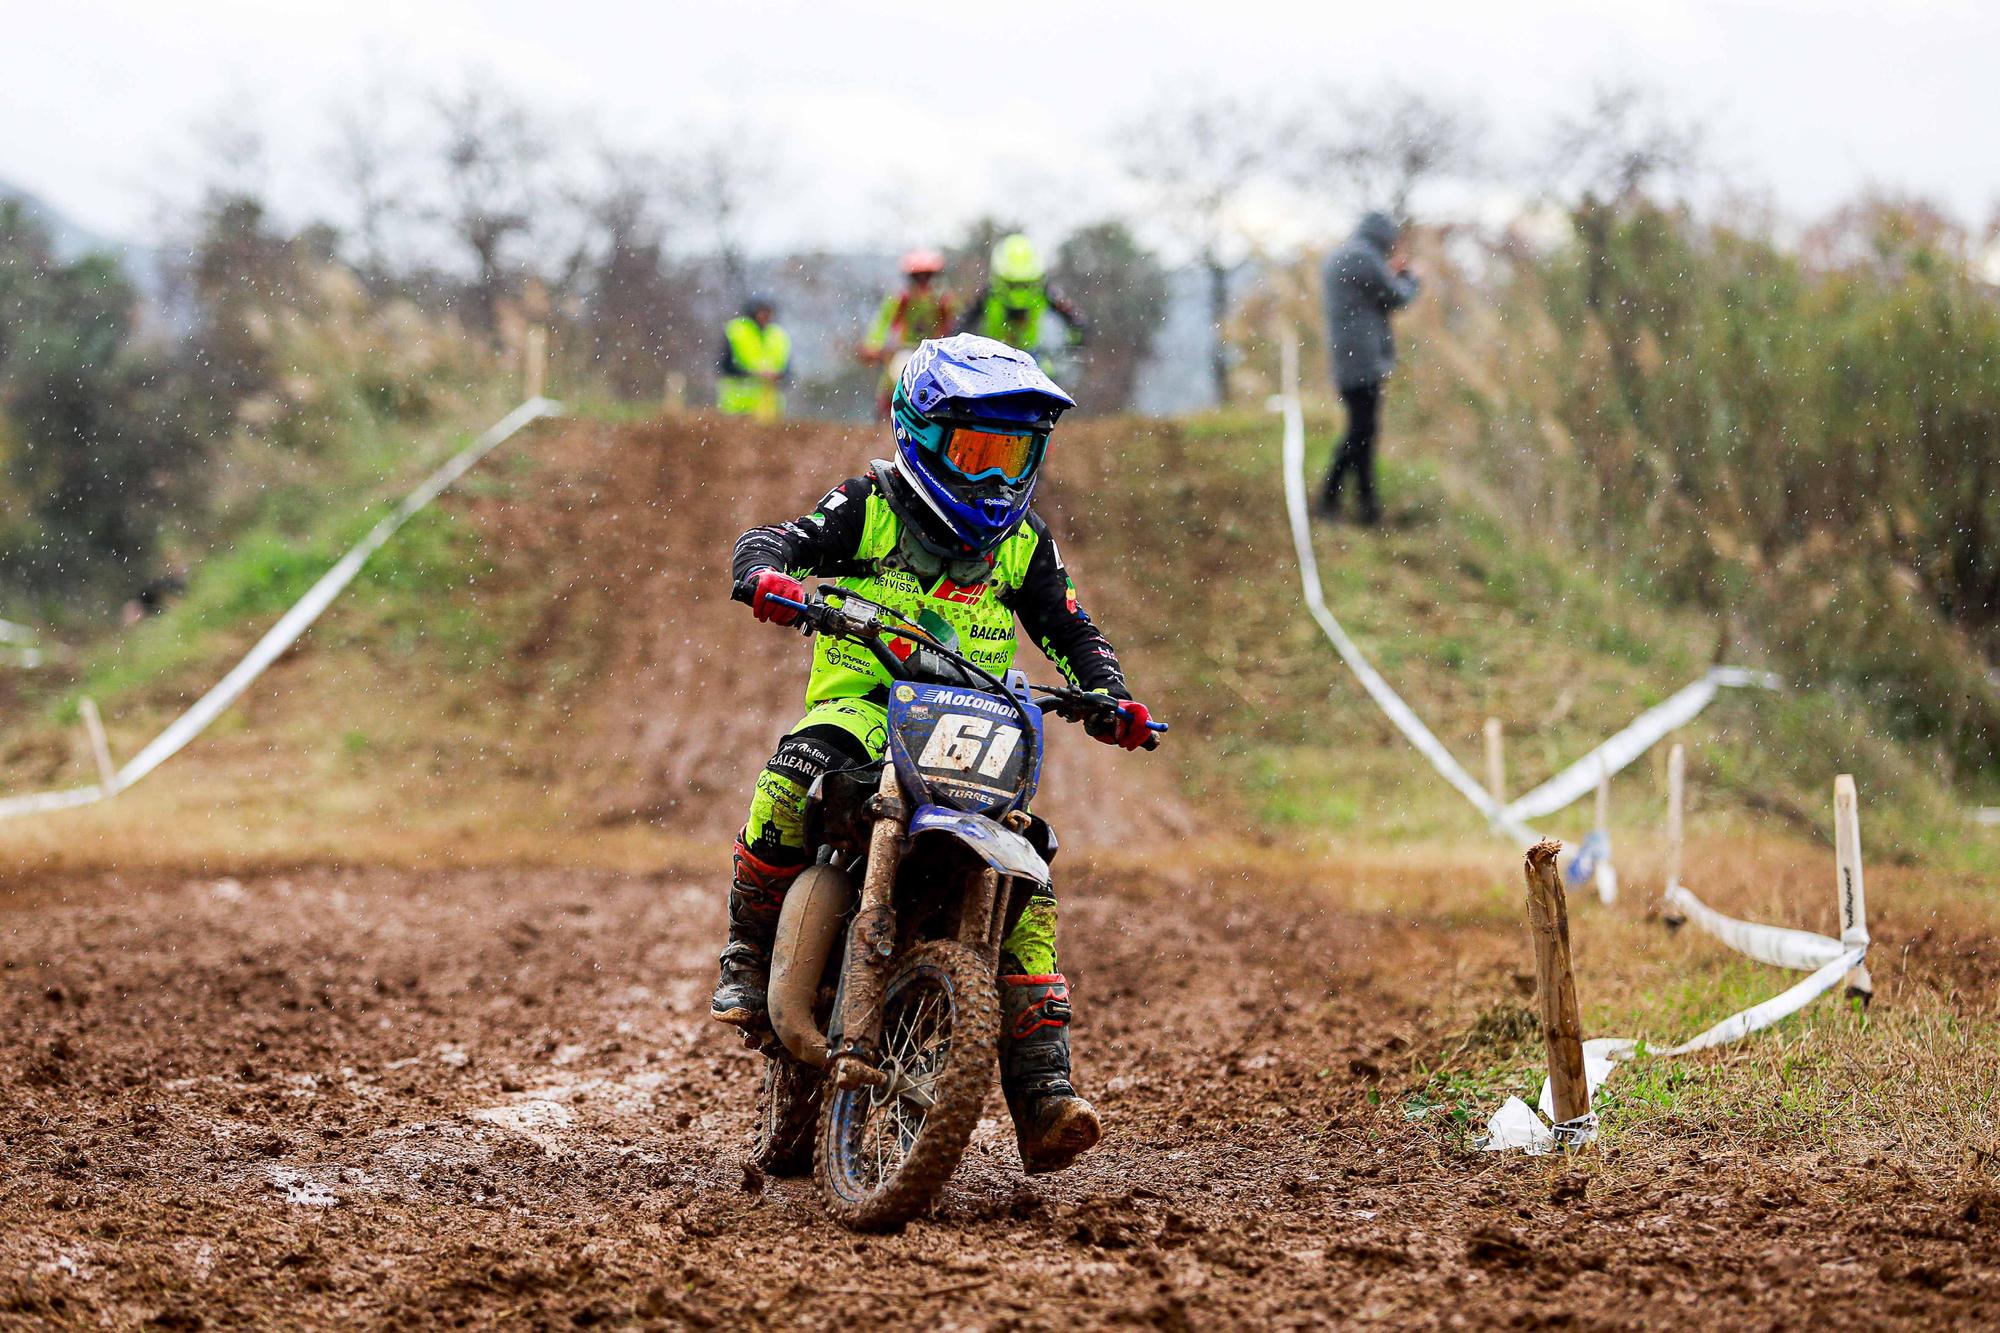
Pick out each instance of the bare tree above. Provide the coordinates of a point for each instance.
(1608, 160)
(365, 161)
(1379, 148)
(638, 304)
(1624, 141)
(494, 183)
(1197, 154)
(233, 159)
(1124, 288)
(718, 185)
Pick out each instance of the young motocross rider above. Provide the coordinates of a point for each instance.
(943, 534)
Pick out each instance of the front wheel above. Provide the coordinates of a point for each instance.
(885, 1152)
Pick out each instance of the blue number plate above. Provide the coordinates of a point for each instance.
(961, 748)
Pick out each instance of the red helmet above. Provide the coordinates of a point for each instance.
(923, 262)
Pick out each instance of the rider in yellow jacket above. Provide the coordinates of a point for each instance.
(945, 535)
(920, 309)
(1017, 298)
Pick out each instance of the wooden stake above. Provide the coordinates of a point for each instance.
(674, 396)
(535, 361)
(1607, 875)
(1853, 893)
(1496, 761)
(1555, 984)
(1676, 811)
(1677, 781)
(1603, 795)
(100, 749)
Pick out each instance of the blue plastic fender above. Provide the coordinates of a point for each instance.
(1003, 849)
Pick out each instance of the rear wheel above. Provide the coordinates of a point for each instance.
(787, 1111)
(885, 1152)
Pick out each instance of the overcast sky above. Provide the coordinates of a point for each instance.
(902, 117)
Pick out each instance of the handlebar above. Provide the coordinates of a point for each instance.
(817, 615)
(1074, 705)
(786, 601)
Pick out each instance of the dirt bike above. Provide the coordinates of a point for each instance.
(880, 1052)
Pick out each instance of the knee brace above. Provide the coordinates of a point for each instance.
(775, 831)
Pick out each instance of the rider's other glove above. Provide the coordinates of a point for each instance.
(1128, 730)
(763, 584)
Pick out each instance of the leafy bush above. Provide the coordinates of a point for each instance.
(1798, 438)
(93, 446)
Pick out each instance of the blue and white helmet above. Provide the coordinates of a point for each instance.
(972, 418)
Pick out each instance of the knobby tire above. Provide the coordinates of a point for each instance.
(949, 968)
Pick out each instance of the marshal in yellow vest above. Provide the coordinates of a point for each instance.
(756, 350)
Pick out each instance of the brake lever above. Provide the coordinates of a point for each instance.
(1077, 705)
(1068, 705)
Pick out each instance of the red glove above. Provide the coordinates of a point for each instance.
(765, 583)
(1130, 730)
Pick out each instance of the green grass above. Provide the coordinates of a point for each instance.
(1815, 1085)
(414, 586)
(255, 578)
(1468, 615)
(1298, 788)
(425, 612)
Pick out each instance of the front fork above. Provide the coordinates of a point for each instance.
(871, 942)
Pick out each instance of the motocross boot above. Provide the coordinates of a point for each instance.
(756, 894)
(1053, 1125)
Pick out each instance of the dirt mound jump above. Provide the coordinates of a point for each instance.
(690, 694)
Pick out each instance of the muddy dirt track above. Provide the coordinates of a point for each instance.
(484, 1098)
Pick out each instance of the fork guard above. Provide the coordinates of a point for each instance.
(1010, 854)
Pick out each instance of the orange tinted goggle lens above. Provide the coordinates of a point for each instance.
(976, 452)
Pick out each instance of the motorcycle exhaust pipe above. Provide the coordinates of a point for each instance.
(808, 925)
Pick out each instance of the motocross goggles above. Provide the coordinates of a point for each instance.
(978, 455)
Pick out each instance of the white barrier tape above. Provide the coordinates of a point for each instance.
(1558, 792)
(36, 802)
(1800, 950)
(1597, 1067)
(1738, 1026)
(1515, 1125)
(1988, 815)
(1642, 734)
(1379, 690)
(291, 625)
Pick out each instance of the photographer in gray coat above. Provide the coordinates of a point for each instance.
(1361, 290)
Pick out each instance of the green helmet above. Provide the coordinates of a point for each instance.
(1015, 259)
